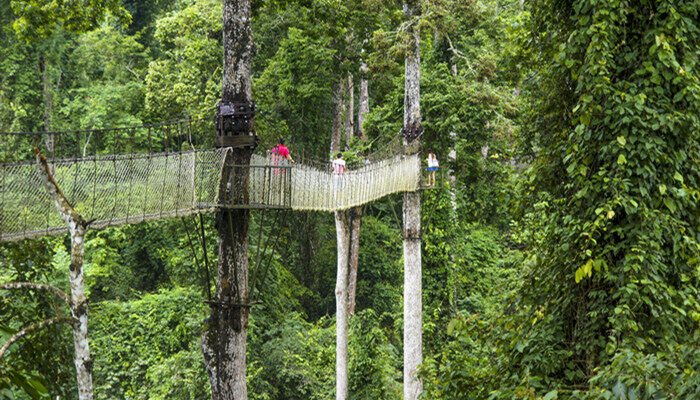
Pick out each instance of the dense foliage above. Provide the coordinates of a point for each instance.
(560, 252)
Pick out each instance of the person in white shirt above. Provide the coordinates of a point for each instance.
(339, 169)
(432, 167)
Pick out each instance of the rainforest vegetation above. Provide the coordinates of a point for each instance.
(560, 249)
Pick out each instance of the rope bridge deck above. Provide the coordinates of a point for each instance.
(113, 190)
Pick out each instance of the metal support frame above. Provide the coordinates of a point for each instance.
(235, 121)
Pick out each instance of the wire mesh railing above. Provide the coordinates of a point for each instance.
(188, 133)
(109, 190)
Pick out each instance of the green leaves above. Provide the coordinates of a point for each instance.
(621, 160)
(621, 229)
(39, 18)
(586, 270)
(551, 395)
(31, 385)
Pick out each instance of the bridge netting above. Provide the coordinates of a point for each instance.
(117, 189)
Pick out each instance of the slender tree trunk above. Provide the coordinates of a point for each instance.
(79, 306)
(363, 108)
(412, 306)
(350, 110)
(453, 158)
(48, 107)
(355, 215)
(225, 332)
(356, 212)
(342, 233)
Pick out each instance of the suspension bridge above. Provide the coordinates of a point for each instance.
(119, 176)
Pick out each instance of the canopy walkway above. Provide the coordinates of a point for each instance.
(132, 187)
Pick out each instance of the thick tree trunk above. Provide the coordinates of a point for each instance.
(363, 107)
(342, 231)
(350, 110)
(412, 305)
(78, 304)
(224, 338)
(238, 51)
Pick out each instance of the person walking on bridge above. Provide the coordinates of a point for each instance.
(432, 167)
(339, 169)
(281, 155)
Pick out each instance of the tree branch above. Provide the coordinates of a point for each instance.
(458, 53)
(32, 328)
(39, 286)
(68, 213)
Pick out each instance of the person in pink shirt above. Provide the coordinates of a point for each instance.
(281, 153)
(280, 156)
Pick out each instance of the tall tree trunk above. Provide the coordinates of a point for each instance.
(453, 159)
(412, 303)
(363, 107)
(337, 131)
(224, 338)
(355, 216)
(342, 233)
(78, 304)
(350, 110)
(356, 212)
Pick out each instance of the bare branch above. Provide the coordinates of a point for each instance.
(132, 71)
(458, 53)
(32, 328)
(39, 286)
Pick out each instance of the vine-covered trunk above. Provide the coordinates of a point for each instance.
(78, 300)
(412, 302)
(225, 333)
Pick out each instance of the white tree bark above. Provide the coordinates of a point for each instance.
(78, 301)
(355, 221)
(412, 303)
(342, 233)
